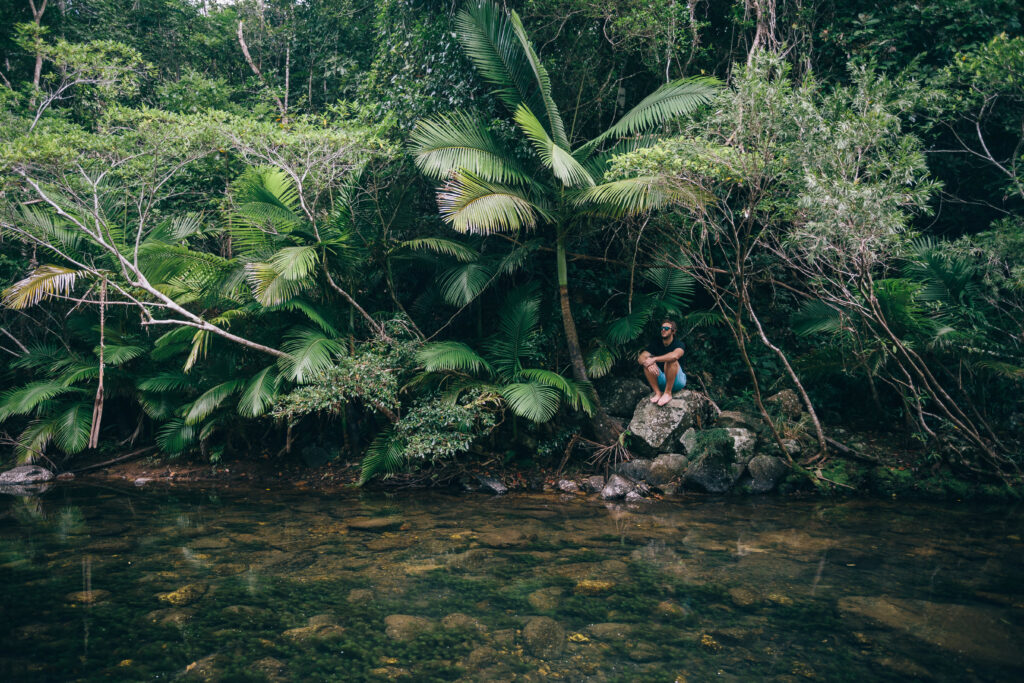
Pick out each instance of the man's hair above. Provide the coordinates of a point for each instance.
(672, 323)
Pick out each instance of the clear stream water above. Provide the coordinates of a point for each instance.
(142, 585)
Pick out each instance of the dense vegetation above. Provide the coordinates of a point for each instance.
(418, 233)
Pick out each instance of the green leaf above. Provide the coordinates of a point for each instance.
(451, 356)
(385, 455)
(176, 437)
(259, 392)
(632, 196)
(562, 164)
(458, 251)
(579, 400)
(26, 399)
(309, 353)
(531, 400)
(464, 283)
(668, 102)
(119, 355)
(599, 362)
(470, 204)
(210, 399)
(447, 144)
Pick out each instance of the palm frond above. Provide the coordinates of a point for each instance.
(628, 327)
(470, 204)
(578, 398)
(49, 226)
(517, 322)
(310, 311)
(45, 281)
(531, 400)
(270, 287)
(600, 362)
(259, 392)
(385, 455)
(631, 196)
(540, 75)
(563, 165)
(210, 400)
(668, 102)
(451, 356)
(26, 399)
(447, 144)
(490, 40)
(675, 286)
(816, 316)
(309, 353)
(176, 437)
(465, 282)
(119, 354)
(460, 252)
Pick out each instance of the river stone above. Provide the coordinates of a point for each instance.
(616, 488)
(689, 442)
(740, 420)
(765, 471)
(665, 468)
(619, 395)
(634, 496)
(87, 597)
(545, 599)
(714, 469)
(610, 631)
(567, 486)
(593, 587)
(657, 427)
(593, 484)
(185, 595)
(463, 621)
(26, 474)
(170, 616)
(980, 633)
(743, 442)
(405, 627)
(481, 656)
(357, 595)
(273, 670)
(787, 403)
(544, 638)
(375, 524)
(319, 627)
(637, 469)
(209, 668)
(508, 537)
(492, 485)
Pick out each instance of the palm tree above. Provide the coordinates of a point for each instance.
(487, 190)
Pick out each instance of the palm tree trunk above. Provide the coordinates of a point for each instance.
(605, 429)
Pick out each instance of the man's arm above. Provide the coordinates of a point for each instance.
(674, 354)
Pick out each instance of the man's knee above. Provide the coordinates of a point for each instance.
(672, 366)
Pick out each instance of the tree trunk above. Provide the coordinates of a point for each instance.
(605, 428)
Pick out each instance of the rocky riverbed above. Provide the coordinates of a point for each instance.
(137, 584)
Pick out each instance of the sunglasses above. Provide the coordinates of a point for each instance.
(666, 327)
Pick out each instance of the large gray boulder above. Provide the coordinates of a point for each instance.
(26, 474)
(619, 395)
(715, 468)
(636, 469)
(657, 428)
(743, 442)
(736, 418)
(616, 488)
(787, 403)
(765, 472)
(666, 467)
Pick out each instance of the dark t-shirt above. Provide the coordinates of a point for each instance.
(657, 348)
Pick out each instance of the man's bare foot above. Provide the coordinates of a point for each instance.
(655, 398)
(664, 400)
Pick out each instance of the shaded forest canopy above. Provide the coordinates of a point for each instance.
(427, 233)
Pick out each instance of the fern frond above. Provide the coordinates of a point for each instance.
(309, 353)
(451, 356)
(531, 400)
(386, 455)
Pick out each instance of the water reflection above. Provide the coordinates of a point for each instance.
(249, 586)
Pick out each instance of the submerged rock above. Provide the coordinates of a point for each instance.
(544, 638)
(209, 668)
(319, 627)
(545, 599)
(171, 616)
(657, 427)
(87, 597)
(616, 488)
(463, 621)
(976, 632)
(506, 538)
(375, 524)
(405, 627)
(185, 595)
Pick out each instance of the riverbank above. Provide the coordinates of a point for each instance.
(890, 475)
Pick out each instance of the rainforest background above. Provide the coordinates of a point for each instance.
(324, 231)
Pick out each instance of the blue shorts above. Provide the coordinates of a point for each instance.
(677, 385)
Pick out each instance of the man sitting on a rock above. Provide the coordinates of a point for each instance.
(662, 362)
